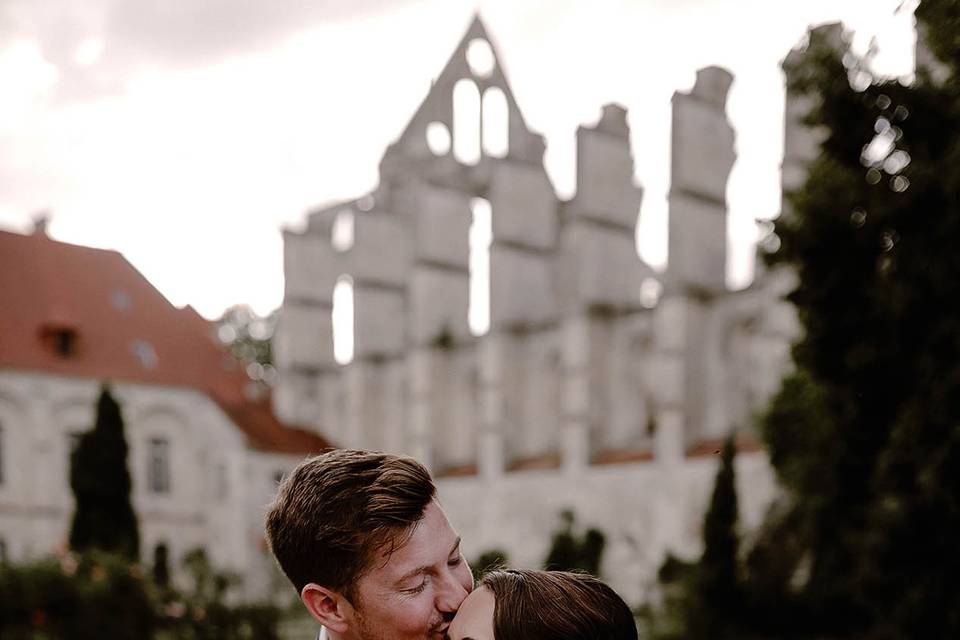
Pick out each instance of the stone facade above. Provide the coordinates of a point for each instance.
(601, 386)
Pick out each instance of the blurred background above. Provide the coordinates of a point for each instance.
(664, 291)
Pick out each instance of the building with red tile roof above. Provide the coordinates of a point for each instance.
(73, 317)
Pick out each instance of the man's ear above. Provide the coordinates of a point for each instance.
(329, 607)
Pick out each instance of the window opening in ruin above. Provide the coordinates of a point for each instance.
(438, 138)
(650, 292)
(158, 465)
(343, 320)
(278, 477)
(481, 235)
(341, 234)
(496, 121)
(466, 122)
(480, 57)
(3, 551)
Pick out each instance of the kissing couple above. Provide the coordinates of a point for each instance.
(364, 540)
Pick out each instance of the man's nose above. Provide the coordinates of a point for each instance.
(450, 593)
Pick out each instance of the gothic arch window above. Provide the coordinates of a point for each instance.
(466, 122)
(496, 123)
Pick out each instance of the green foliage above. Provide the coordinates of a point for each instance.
(570, 551)
(247, 334)
(161, 566)
(86, 597)
(866, 435)
(705, 599)
(104, 517)
(202, 611)
(97, 595)
(490, 559)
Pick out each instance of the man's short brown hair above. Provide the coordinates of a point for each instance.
(335, 511)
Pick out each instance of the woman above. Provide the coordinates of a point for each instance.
(516, 604)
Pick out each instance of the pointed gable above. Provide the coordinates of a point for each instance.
(438, 106)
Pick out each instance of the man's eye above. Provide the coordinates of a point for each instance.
(453, 562)
(417, 589)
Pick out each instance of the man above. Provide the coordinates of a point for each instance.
(364, 541)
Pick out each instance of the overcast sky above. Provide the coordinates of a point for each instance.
(186, 134)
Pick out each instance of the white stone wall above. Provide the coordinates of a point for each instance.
(644, 510)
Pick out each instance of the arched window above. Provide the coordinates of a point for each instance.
(438, 138)
(343, 320)
(496, 123)
(466, 122)
(481, 235)
(158, 465)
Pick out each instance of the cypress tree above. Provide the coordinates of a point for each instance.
(717, 585)
(104, 517)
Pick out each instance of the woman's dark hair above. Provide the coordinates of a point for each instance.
(556, 605)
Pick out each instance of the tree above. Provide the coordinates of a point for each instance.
(704, 599)
(865, 436)
(572, 552)
(717, 582)
(249, 338)
(104, 518)
(487, 561)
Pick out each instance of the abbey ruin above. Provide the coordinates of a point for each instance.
(596, 384)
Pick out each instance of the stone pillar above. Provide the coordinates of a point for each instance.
(600, 272)
(491, 458)
(418, 439)
(576, 400)
(303, 342)
(696, 275)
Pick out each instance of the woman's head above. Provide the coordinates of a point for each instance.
(515, 604)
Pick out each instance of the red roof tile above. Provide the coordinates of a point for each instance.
(123, 329)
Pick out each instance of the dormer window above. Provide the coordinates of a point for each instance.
(65, 342)
(145, 354)
(61, 339)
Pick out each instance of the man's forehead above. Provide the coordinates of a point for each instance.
(429, 542)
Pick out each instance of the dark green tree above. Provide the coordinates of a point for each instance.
(490, 559)
(104, 517)
(718, 585)
(570, 551)
(704, 599)
(865, 435)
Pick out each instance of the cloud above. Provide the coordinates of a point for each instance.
(161, 33)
